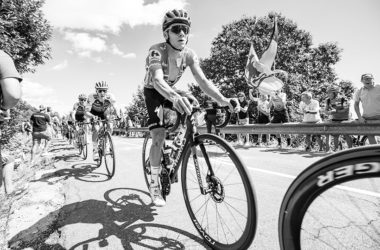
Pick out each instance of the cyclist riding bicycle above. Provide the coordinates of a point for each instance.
(165, 64)
(100, 105)
(79, 111)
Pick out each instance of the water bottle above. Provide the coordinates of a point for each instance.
(166, 155)
(177, 142)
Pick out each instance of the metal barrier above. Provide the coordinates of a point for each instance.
(344, 128)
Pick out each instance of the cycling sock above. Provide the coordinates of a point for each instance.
(155, 170)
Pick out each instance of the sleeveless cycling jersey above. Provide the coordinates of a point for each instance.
(79, 110)
(97, 107)
(173, 66)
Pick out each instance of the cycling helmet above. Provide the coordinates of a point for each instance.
(333, 89)
(101, 85)
(82, 96)
(176, 17)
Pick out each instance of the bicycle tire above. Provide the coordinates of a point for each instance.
(109, 162)
(244, 240)
(145, 159)
(84, 146)
(100, 152)
(305, 189)
(226, 118)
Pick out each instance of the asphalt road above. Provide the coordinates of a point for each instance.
(117, 214)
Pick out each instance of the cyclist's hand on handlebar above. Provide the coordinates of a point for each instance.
(183, 105)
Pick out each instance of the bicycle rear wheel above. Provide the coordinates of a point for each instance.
(109, 154)
(225, 216)
(334, 203)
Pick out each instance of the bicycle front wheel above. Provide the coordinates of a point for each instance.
(84, 145)
(109, 154)
(334, 203)
(145, 159)
(224, 213)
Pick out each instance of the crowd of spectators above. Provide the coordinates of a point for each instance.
(256, 108)
(264, 109)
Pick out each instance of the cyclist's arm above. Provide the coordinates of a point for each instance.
(9, 82)
(162, 86)
(208, 87)
(88, 107)
(114, 106)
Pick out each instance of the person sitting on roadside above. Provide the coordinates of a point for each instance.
(337, 109)
(310, 109)
(369, 96)
(40, 121)
(280, 113)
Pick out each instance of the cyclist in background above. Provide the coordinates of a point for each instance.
(165, 64)
(100, 105)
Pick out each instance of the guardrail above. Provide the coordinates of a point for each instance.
(353, 128)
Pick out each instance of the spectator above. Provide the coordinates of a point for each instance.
(337, 109)
(369, 96)
(211, 116)
(10, 93)
(280, 113)
(263, 114)
(310, 109)
(243, 118)
(40, 121)
(27, 128)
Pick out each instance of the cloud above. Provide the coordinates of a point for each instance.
(87, 45)
(85, 42)
(36, 94)
(107, 16)
(116, 51)
(61, 66)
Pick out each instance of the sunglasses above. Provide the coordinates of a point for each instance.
(82, 100)
(102, 90)
(176, 29)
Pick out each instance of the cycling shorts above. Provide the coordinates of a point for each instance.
(154, 103)
(79, 117)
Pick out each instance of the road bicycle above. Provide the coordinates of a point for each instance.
(81, 139)
(334, 203)
(216, 185)
(105, 147)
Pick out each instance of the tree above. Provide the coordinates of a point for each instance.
(309, 68)
(24, 33)
(138, 108)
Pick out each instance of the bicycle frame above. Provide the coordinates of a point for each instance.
(189, 141)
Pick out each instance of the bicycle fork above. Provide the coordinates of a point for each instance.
(214, 186)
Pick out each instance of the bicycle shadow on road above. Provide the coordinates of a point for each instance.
(297, 152)
(116, 214)
(67, 158)
(80, 171)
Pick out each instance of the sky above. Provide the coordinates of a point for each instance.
(96, 40)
